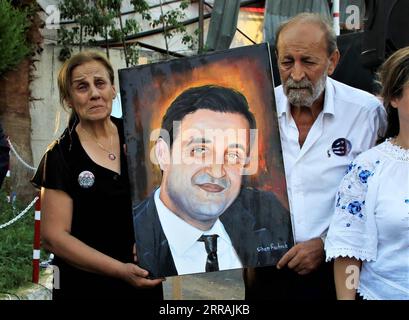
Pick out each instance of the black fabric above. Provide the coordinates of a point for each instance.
(269, 283)
(4, 156)
(101, 217)
(210, 242)
(258, 225)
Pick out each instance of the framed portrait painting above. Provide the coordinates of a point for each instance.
(205, 163)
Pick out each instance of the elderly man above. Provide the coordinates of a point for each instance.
(324, 124)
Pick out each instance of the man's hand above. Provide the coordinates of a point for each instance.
(304, 257)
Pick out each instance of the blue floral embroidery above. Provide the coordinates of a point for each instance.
(407, 201)
(350, 199)
(364, 175)
(350, 167)
(355, 207)
(338, 199)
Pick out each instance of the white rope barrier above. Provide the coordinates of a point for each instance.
(20, 215)
(19, 158)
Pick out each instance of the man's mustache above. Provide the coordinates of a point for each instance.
(303, 84)
(203, 178)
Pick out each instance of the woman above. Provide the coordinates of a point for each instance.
(370, 227)
(86, 206)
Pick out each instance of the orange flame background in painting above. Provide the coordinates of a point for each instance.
(245, 74)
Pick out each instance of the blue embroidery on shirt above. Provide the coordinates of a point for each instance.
(355, 207)
(364, 175)
(350, 167)
(339, 198)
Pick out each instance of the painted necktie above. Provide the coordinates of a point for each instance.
(210, 242)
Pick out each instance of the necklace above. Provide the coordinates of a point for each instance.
(111, 154)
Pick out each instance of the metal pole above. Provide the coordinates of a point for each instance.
(36, 243)
(201, 25)
(335, 16)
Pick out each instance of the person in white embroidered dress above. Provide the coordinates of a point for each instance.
(370, 227)
(324, 125)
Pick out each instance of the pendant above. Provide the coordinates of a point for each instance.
(111, 156)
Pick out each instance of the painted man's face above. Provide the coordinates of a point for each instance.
(203, 176)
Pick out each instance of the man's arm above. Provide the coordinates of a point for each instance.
(304, 257)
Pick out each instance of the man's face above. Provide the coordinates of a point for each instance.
(203, 177)
(304, 63)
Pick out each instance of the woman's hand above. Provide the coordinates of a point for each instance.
(137, 276)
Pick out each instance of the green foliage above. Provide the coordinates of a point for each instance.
(13, 44)
(133, 54)
(171, 21)
(142, 7)
(103, 18)
(16, 246)
(97, 18)
(86, 15)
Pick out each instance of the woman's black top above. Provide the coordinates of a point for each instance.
(102, 216)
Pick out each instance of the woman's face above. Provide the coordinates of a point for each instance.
(91, 92)
(402, 104)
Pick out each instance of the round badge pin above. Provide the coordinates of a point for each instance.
(86, 179)
(341, 147)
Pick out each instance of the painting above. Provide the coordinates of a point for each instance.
(205, 163)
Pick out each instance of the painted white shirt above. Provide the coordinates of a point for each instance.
(371, 221)
(189, 254)
(313, 172)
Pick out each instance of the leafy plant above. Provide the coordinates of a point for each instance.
(171, 21)
(16, 246)
(103, 18)
(13, 44)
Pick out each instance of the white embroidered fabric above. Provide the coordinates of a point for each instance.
(371, 221)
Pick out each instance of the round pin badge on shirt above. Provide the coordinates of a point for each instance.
(341, 147)
(86, 179)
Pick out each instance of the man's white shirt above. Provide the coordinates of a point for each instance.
(189, 254)
(314, 172)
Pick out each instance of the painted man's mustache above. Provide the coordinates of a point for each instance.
(204, 178)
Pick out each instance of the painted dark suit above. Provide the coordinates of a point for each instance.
(258, 225)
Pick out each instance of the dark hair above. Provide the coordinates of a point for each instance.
(211, 97)
(313, 18)
(393, 76)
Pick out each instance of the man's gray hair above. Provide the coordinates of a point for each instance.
(313, 18)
